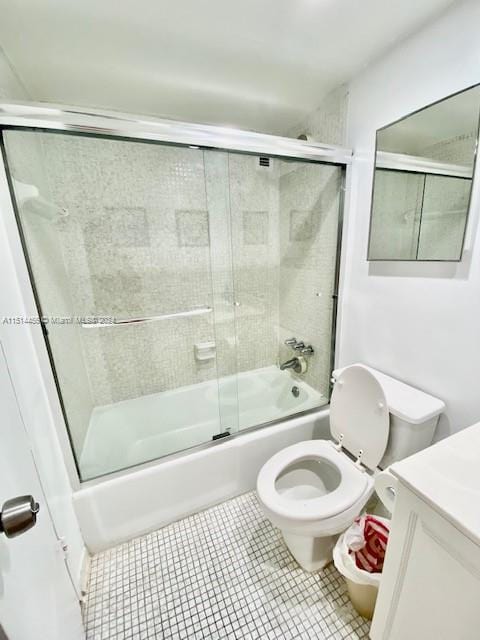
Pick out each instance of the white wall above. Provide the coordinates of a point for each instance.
(11, 87)
(418, 322)
(21, 343)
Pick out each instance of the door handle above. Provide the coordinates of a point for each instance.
(18, 515)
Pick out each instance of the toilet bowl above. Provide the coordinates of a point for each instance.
(313, 490)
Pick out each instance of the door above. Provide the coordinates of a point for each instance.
(37, 597)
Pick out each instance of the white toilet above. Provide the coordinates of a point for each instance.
(313, 490)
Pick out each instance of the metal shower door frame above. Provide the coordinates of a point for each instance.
(115, 125)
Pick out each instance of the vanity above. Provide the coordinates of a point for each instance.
(430, 588)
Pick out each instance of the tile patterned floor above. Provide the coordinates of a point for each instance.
(223, 574)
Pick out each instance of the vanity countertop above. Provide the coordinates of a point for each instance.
(447, 476)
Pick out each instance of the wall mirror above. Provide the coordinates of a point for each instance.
(424, 166)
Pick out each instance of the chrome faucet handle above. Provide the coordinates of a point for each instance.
(299, 346)
(308, 351)
(290, 342)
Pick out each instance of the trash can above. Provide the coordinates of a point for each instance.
(362, 585)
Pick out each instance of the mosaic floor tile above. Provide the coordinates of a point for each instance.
(222, 574)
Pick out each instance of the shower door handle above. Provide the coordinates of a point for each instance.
(146, 319)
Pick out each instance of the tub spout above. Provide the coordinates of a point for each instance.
(290, 364)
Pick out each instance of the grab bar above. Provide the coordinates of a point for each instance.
(144, 320)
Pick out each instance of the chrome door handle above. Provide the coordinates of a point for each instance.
(18, 515)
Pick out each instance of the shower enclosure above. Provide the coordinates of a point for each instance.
(168, 278)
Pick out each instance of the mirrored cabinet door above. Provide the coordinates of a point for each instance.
(397, 202)
(424, 166)
(444, 217)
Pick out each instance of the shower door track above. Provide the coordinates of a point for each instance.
(119, 125)
(116, 125)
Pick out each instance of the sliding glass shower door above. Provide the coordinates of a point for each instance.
(274, 249)
(118, 240)
(285, 222)
(168, 280)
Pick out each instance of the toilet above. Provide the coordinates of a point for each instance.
(313, 490)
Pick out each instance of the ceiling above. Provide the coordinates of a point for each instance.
(256, 64)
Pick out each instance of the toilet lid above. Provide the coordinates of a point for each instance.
(359, 413)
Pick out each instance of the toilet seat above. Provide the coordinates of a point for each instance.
(353, 482)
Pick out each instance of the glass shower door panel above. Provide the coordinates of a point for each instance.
(118, 241)
(254, 198)
(218, 201)
(285, 219)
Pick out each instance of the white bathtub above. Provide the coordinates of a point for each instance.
(131, 432)
(124, 505)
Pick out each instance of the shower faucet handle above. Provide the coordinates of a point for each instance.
(299, 346)
(290, 342)
(308, 351)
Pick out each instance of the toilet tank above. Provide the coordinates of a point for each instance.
(413, 416)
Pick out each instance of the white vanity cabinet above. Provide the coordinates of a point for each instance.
(430, 587)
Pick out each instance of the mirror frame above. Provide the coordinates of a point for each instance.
(467, 217)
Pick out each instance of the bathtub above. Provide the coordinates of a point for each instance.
(127, 504)
(130, 432)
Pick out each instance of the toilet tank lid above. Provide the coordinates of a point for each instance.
(404, 401)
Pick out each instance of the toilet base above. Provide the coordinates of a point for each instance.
(312, 554)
